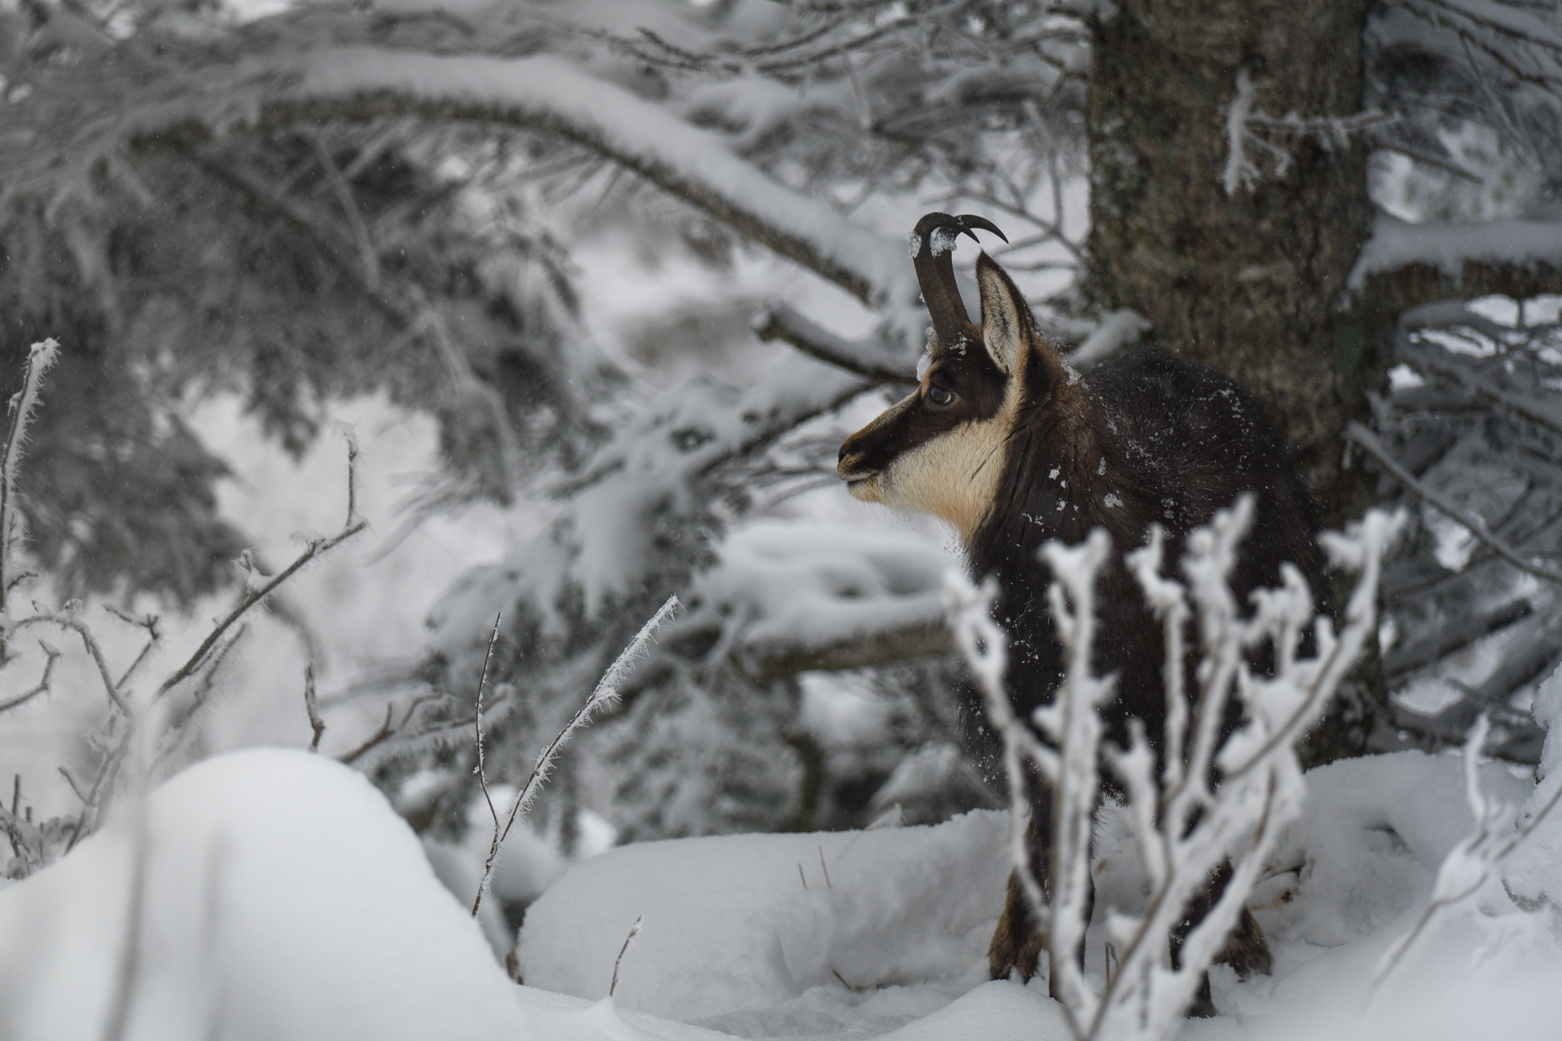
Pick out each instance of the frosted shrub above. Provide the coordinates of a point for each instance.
(1183, 827)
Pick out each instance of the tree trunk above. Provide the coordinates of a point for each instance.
(1253, 282)
(1250, 283)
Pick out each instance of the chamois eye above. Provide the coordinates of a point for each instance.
(938, 396)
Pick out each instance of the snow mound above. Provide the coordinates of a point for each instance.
(281, 899)
(890, 923)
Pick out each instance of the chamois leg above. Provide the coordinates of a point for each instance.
(1245, 949)
(1019, 939)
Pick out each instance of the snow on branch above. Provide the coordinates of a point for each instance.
(871, 358)
(1243, 118)
(785, 596)
(1184, 828)
(1395, 244)
(541, 93)
(39, 360)
(1469, 864)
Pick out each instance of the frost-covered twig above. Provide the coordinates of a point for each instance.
(1186, 831)
(1469, 864)
(39, 359)
(67, 619)
(152, 624)
(1241, 115)
(603, 696)
(482, 776)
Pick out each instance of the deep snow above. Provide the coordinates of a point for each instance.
(283, 898)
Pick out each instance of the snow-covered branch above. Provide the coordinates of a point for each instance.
(39, 360)
(545, 94)
(871, 358)
(1469, 864)
(1450, 248)
(1243, 118)
(1186, 831)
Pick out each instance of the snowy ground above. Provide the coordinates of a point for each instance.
(272, 894)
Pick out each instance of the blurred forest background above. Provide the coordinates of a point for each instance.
(620, 273)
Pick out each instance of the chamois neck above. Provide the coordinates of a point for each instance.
(1063, 461)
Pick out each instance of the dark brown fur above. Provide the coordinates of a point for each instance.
(1144, 438)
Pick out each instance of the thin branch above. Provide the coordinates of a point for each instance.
(67, 620)
(1428, 159)
(1476, 525)
(314, 548)
(71, 782)
(389, 729)
(778, 320)
(43, 683)
(311, 706)
(482, 775)
(40, 357)
(634, 930)
(150, 623)
(344, 197)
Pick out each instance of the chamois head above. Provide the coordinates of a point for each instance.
(941, 450)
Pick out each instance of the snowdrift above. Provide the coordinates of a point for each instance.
(276, 895)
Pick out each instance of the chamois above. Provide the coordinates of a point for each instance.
(1013, 447)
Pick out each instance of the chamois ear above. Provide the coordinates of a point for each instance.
(1007, 323)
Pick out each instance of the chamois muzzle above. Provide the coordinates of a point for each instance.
(932, 253)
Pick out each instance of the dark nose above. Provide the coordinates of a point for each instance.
(841, 456)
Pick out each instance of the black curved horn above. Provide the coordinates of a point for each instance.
(932, 247)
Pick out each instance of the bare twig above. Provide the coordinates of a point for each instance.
(310, 706)
(43, 683)
(634, 930)
(314, 548)
(1477, 526)
(71, 782)
(149, 622)
(390, 729)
